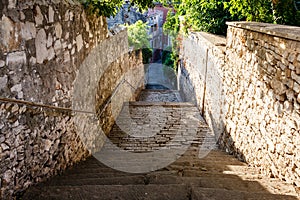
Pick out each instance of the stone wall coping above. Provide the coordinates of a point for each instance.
(212, 40)
(284, 31)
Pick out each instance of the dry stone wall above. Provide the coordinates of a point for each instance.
(35, 143)
(262, 78)
(52, 58)
(42, 45)
(257, 85)
(126, 75)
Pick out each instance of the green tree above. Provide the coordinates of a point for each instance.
(286, 12)
(195, 15)
(271, 11)
(254, 10)
(167, 57)
(138, 35)
(139, 39)
(171, 27)
(198, 15)
(211, 15)
(109, 8)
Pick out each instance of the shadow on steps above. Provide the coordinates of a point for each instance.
(216, 176)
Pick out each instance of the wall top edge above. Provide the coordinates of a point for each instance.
(217, 41)
(284, 31)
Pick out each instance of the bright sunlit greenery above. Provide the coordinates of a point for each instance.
(139, 39)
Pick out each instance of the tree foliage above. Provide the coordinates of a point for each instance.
(109, 8)
(286, 12)
(271, 11)
(138, 35)
(198, 15)
(211, 15)
(139, 39)
(205, 15)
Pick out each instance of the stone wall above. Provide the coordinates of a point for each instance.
(126, 75)
(258, 92)
(43, 38)
(262, 77)
(35, 143)
(52, 59)
(200, 76)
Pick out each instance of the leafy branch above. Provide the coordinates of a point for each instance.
(109, 8)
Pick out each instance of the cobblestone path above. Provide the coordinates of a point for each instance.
(161, 148)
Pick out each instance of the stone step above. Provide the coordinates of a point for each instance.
(156, 86)
(181, 171)
(159, 90)
(159, 159)
(165, 104)
(170, 191)
(145, 127)
(210, 166)
(92, 175)
(109, 192)
(110, 180)
(216, 194)
(226, 182)
(153, 95)
(191, 164)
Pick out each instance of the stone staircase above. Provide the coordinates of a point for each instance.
(155, 95)
(160, 150)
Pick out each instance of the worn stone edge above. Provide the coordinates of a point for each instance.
(215, 41)
(291, 32)
(147, 103)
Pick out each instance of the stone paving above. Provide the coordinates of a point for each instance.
(158, 74)
(160, 96)
(161, 150)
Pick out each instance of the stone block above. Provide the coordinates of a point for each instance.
(291, 66)
(296, 87)
(288, 106)
(41, 46)
(38, 16)
(292, 57)
(12, 4)
(295, 77)
(290, 94)
(9, 40)
(28, 30)
(2, 63)
(3, 82)
(278, 87)
(17, 88)
(51, 14)
(79, 42)
(16, 60)
(51, 54)
(49, 40)
(57, 47)
(298, 68)
(58, 30)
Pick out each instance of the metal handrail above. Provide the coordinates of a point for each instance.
(30, 103)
